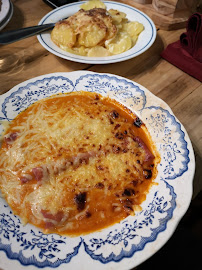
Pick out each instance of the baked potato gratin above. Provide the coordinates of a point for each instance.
(95, 32)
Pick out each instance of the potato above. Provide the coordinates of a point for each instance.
(91, 35)
(76, 50)
(82, 50)
(121, 43)
(98, 51)
(134, 39)
(93, 4)
(63, 35)
(133, 28)
(111, 28)
(117, 16)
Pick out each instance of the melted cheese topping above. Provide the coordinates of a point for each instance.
(76, 163)
(95, 32)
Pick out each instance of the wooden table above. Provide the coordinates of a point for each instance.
(27, 59)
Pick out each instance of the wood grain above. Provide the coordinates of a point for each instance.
(166, 14)
(171, 7)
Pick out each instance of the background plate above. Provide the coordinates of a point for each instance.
(6, 13)
(145, 40)
(136, 238)
(4, 9)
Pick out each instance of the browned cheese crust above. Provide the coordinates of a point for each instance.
(76, 163)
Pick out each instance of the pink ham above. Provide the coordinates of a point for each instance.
(11, 137)
(49, 225)
(43, 172)
(57, 217)
(82, 158)
(25, 178)
(38, 173)
(148, 155)
(52, 219)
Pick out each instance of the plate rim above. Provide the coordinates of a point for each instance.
(192, 169)
(8, 17)
(97, 60)
(4, 2)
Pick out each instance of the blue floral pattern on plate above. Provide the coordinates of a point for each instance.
(123, 240)
(27, 95)
(173, 146)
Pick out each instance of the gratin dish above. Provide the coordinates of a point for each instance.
(136, 238)
(145, 39)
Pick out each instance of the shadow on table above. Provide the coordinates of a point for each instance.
(197, 183)
(183, 250)
(147, 60)
(16, 21)
(137, 65)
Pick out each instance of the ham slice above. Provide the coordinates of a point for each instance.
(25, 178)
(38, 173)
(52, 219)
(148, 154)
(82, 158)
(11, 137)
(57, 217)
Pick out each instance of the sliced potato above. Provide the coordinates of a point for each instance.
(93, 4)
(133, 28)
(82, 50)
(121, 43)
(98, 51)
(63, 35)
(134, 39)
(76, 50)
(91, 35)
(111, 28)
(117, 16)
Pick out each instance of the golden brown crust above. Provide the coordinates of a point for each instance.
(85, 22)
(95, 163)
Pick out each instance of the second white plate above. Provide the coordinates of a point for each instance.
(145, 40)
(6, 13)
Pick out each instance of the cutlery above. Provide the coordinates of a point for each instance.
(18, 34)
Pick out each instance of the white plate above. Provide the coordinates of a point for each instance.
(145, 40)
(6, 13)
(136, 238)
(4, 9)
